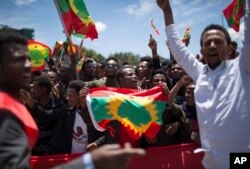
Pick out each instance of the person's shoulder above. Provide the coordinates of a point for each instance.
(8, 119)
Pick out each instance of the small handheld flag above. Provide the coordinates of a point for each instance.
(233, 13)
(154, 27)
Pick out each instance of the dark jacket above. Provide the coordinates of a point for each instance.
(46, 119)
(14, 148)
(62, 141)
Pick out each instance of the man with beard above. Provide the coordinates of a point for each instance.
(222, 92)
(111, 67)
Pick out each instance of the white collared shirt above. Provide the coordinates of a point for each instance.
(222, 99)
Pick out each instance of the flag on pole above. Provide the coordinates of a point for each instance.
(140, 112)
(57, 48)
(75, 18)
(38, 53)
(233, 13)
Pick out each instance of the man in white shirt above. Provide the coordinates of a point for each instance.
(222, 92)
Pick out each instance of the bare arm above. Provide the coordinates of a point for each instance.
(183, 57)
(183, 81)
(153, 46)
(167, 11)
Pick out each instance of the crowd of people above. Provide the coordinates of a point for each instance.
(208, 100)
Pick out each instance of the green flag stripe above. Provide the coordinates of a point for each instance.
(63, 5)
(79, 8)
(135, 112)
(98, 108)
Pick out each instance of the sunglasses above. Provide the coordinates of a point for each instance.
(112, 65)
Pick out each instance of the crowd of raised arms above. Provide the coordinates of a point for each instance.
(203, 93)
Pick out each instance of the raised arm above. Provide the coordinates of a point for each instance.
(153, 46)
(245, 50)
(183, 81)
(183, 57)
(167, 11)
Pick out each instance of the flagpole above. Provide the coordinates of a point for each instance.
(222, 19)
(80, 50)
(58, 11)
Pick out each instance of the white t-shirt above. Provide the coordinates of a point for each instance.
(80, 135)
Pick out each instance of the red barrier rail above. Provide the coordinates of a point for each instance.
(167, 157)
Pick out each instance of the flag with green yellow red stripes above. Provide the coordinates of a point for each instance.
(75, 18)
(139, 111)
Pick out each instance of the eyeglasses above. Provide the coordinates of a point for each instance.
(111, 65)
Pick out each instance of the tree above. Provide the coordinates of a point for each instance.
(128, 57)
(90, 53)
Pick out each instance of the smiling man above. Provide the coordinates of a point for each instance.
(222, 92)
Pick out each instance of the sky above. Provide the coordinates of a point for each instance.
(123, 25)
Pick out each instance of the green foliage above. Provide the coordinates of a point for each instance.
(128, 57)
(90, 53)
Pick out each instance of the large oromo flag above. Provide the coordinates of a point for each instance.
(233, 14)
(75, 18)
(139, 111)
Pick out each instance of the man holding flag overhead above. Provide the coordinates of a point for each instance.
(222, 92)
(126, 113)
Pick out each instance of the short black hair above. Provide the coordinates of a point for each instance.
(165, 62)
(77, 85)
(89, 60)
(43, 81)
(112, 58)
(216, 27)
(162, 72)
(149, 60)
(120, 73)
(9, 36)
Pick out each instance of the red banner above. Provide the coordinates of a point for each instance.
(175, 157)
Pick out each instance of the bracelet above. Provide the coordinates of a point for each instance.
(87, 161)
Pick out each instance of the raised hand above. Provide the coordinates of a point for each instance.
(26, 98)
(185, 79)
(167, 10)
(153, 45)
(163, 4)
(165, 88)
